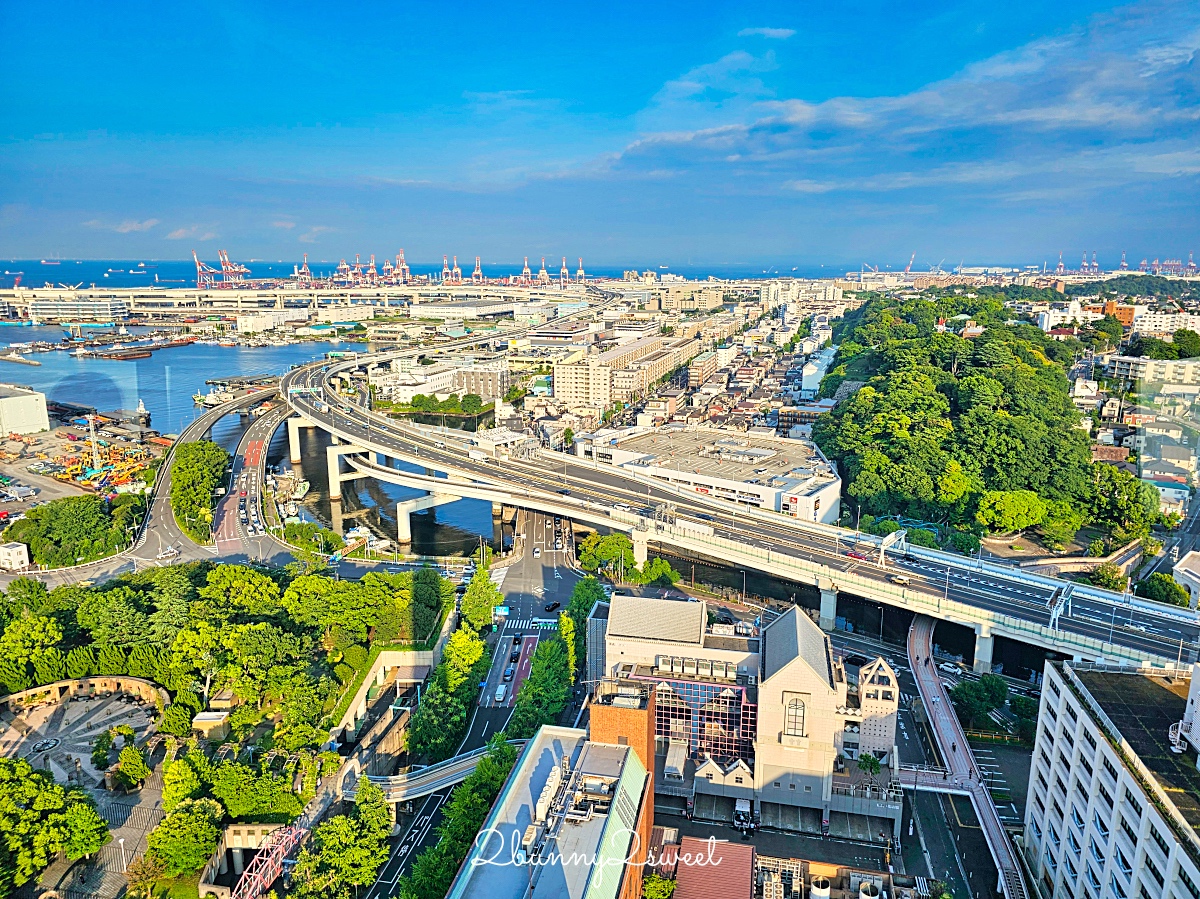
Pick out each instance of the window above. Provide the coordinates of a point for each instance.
(737, 780)
(1134, 804)
(1112, 772)
(1070, 711)
(1054, 690)
(1089, 739)
(1086, 767)
(1076, 818)
(1070, 869)
(1160, 842)
(1106, 796)
(1101, 826)
(1153, 871)
(1074, 844)
(808, 788)
(1057, 808)
(1093, 880)
(1115, 886)
(791, 786)
(1096, 853)
(1123, 862)
(1188, 883)
(1052, 833)
(1129, 831)
(1037, 830)
(793, 722)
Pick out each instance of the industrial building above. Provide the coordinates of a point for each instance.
(788, 476)
(769, 716)
(22, 410)
(1114, 790)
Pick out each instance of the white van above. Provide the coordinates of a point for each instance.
(501, 692)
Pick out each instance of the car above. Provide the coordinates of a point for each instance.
(551, 606)
(243, 494)
(704, 517)
(607, 588)
(169, 553)
(901, 579)
(623, 507)
(537, 552)
(517, 641)
(558, 544)
(564, 492)
(501, 692)
(515, 655)
(948, 668)
(509, 672)
(855, 554)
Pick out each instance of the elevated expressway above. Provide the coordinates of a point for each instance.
(993, 600)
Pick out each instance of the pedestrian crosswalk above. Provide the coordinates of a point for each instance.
(520, 624)
(498, 575)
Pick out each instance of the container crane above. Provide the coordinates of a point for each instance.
(206, 275)
(908, 267)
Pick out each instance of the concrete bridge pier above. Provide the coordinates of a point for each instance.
(405, 508)
(239, 863)
(641, 547)
(984, 644)
(294, 424)
(828, 604)
(333, 456)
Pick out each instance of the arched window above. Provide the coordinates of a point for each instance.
(793, 723)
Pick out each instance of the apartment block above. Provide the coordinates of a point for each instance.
(1114, 790)
(1142, 368)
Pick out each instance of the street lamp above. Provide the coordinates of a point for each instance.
(124, 865)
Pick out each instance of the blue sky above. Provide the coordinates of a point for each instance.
(788, 133)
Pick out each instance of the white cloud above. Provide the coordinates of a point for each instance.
(196, 231)
(778, 34)
(311, 235)
(128, 226)
(283, 224)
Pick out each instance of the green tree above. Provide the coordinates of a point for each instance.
(463, 651)
(1061, 523)
(1161, 587)
(1124, 503)
(346, 851)
(179, 783)
(186, 838)
(110, 660)
(584, 596)
(1109, 576)
(66, 531)
(196, 472)
(50, 666)
(81, 662)
(143, 874)
(132, 765)
(437, 725)
(566, 633)
(28, 636)
(39, 819)
(655, 886)
(868, 764)
(472, 404)
(480, 600)
(1010, 511)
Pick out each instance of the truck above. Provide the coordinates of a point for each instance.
(684, 524)
(321, 407)
(477, 454)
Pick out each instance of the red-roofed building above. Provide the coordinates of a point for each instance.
(714, 870)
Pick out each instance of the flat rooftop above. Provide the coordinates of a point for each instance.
(583, 831)
(1143, 707)
(732, 457)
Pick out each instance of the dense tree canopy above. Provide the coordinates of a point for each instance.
(75, 529)
(196, 472)
(39, 819)
(954, 430)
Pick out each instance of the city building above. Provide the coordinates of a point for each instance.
(1114, 790)
(270, 319)
(487, 379)
(1143, 368)
(14, 556)
(22, 410)
(789, 476)
(70, 306)
(768, 715)
(569, 816)
(700, 369)
(1147, 322)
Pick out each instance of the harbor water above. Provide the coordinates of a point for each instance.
(165, 383)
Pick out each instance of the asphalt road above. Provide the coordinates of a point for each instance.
(528, 585)
(1166, 634)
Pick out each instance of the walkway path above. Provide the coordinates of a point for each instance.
(961, 770)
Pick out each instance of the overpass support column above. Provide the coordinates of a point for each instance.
(641, 547)
(984, 643)
(392, 816)
(293, 426)
(405, 508)
(239, 863)
(333, 456)
(828, 607)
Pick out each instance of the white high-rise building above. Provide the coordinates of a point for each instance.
(1113, 811)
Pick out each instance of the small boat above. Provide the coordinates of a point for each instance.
(301, 490)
